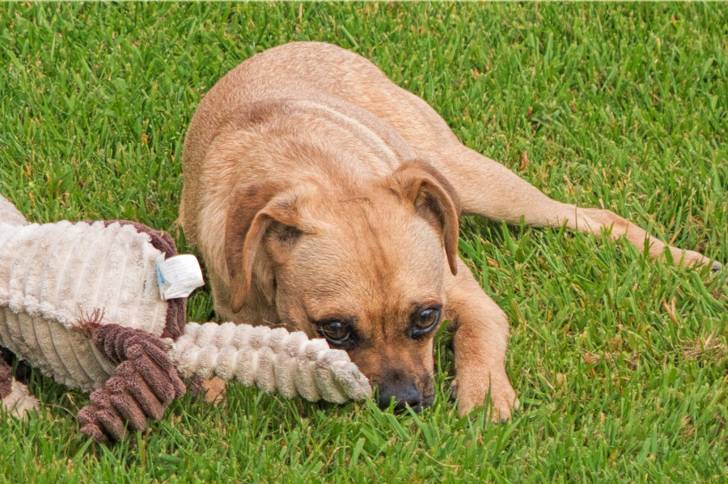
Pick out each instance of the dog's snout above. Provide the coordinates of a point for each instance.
(404, 394)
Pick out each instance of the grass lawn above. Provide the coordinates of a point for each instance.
(620, 363)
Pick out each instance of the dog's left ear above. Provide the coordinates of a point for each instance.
(434, 199)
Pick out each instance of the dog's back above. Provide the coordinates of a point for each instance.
(333, 82)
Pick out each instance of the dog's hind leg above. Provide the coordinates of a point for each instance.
(490, 189)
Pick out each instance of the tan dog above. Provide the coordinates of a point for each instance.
(325, 198)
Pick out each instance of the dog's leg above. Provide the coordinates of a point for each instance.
(488, 188)
(480, 340)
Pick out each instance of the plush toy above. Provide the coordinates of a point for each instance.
(100, 306)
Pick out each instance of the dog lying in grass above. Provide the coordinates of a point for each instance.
(325, 198)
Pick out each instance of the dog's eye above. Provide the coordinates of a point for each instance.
(425, 320)
(336, 332)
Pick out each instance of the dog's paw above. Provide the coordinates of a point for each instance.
(473, 392)
(690, 258)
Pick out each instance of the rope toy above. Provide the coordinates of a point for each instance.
(81, 302)
(273, 359)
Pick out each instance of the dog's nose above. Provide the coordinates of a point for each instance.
(404, 395)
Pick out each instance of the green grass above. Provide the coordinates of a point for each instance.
(624, 106)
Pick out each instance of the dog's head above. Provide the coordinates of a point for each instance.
(363, 267)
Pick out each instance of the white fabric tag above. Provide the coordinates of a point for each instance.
(178, 276)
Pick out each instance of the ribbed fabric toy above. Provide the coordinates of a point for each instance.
(275, 360)
(81, 302)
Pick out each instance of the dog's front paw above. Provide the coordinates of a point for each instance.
(472, 391)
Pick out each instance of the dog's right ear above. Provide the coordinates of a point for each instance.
(434, 198)
(254, 211)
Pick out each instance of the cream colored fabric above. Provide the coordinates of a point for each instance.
(54, 275)
(274, 360)
(19, 402)
(9, 214)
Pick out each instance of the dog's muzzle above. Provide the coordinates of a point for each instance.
(404, 394)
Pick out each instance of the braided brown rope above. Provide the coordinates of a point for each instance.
(143, 384)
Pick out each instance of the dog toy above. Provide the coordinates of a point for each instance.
(98, 306)
(273, 359)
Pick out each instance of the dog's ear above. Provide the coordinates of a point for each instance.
(255, 211)
(434, 199)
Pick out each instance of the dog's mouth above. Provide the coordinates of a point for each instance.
(427, 402)
(399, 406)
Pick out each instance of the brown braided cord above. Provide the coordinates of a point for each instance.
(142, 386)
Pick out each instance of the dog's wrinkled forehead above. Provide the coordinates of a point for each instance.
(372, 250)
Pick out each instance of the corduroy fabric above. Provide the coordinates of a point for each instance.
(9, 214)
(53, 275)
(19, 401)
(144, 383)
(176, 308)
